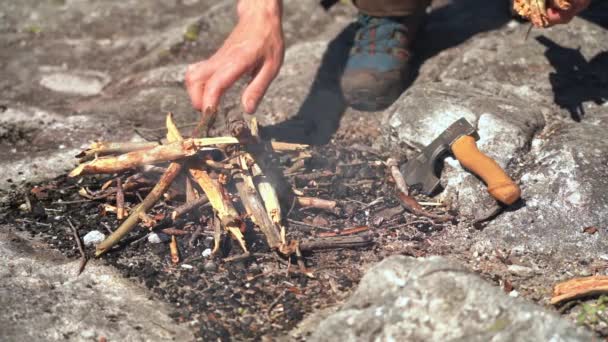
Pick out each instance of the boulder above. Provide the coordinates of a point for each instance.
(435, 299)
(564, 187)
(505, 127)
(45, 300)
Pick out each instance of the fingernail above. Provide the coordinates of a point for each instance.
(210, 110)
(250, 104)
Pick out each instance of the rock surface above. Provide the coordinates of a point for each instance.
(76, 71)
(433, 299)
(45, 300)
(546, 132)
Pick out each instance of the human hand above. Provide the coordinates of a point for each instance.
(557, 16)
(255, 46)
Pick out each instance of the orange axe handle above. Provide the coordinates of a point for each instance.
(500, 185)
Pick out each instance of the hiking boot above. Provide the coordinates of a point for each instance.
(378, 66)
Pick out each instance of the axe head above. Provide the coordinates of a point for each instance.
(420, 172)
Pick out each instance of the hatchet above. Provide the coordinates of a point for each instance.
(459, 139)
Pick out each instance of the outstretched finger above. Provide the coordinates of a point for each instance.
(257, 87)
(217, 85)
(195, 79)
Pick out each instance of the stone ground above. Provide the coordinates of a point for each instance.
(75, 71)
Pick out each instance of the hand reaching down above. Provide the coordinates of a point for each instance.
(254, 47)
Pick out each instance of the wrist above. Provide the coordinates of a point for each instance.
(260, 9)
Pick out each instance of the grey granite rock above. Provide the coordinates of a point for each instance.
(564, 187)
(505, 127)
(43, 299)
(434, 299)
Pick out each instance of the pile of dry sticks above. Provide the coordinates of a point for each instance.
(209, 164)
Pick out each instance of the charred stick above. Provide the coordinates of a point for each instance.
(195, 235)
(163, 184)
(191, 194)
(228, 216)
(397, 175)
(349, 231)
(120, 200)
(174, 250)
(174, 231)
(239, 257)
(204, 126)
(188, 207)
(280, 146)
(103, 148)
(313, 202)
(298, 164)
(217, 235)
(148, 202)
(146, 220)
(354, 241)
(301, 264)
(83, 255)
(162, 153)
(271, 200)
(254, 206)
(410, 204)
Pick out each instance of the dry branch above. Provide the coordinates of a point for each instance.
(120, 200)
(130, 223)
(221, 203)
(163, 184)
(173, 250)
(255, 206)
(353, 241)
(410, 204)
(319, 203)
(579, 287)
(280, 146)
(102, 148)
(397, 175)
(189, 206)
(161, 153)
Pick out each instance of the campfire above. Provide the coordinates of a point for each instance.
(232, 174)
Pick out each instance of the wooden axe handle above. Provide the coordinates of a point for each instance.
(500, 185)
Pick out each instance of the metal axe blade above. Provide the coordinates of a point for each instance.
(419, 173)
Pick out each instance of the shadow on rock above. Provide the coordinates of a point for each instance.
(319, 115)
(597, 13)
(576, 80)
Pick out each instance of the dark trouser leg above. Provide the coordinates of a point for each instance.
(391, 8)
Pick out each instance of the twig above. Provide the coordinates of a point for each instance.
(318, 203)
(255, 207)
(83, 255)
(308, 224)
(275, 302)
(188, 207)
(161, 153)
(348, 231)
(391, 163)
(239, 257)
(195, 235)
(103, 148)
(174, 231)
(579, 287)
(174, 251)
(353, 241)
(163, 184)
(410, 204)
(28, 203)
(204, 125)
(120, 200)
